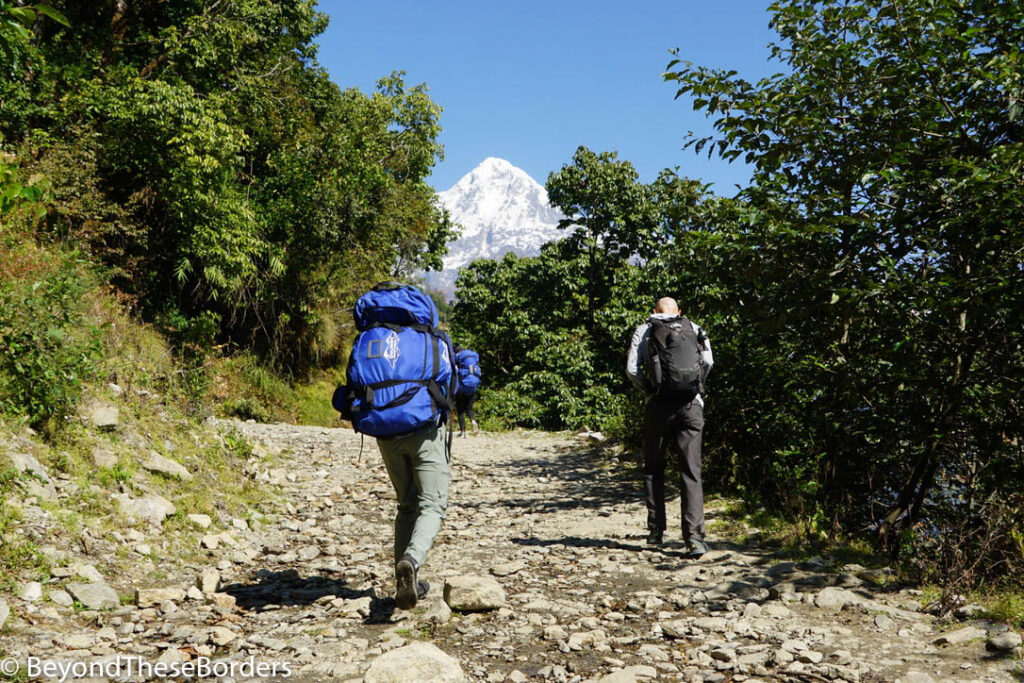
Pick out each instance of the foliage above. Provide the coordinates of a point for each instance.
(16, 553)
(220, 175)
(17, 193)
(48, 352)
(552, 331)
(885, 249)
(244, 387)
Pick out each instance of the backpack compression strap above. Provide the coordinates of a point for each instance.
(441, 402)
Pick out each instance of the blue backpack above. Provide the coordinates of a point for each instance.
(468, 364)
(400, 373)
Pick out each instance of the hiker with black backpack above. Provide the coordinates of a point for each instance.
(400, 381)
(467, 363)
(669, 358)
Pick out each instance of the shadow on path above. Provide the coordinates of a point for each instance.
(586, 478)
(272, 590)
(670, 551)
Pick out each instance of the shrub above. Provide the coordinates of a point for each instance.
(50, 346)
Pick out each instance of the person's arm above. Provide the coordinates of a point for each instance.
(634, 369)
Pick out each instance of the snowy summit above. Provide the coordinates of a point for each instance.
(501, 209)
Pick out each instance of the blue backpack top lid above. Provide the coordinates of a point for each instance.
(396, 304)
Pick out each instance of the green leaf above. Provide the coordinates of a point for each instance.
(52, 13)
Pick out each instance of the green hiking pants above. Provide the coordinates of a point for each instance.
(418, 467)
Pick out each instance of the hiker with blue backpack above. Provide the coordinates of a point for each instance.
(468, 364)
(400, 382)
(668, 360)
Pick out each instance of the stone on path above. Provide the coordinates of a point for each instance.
(31, 591)
(104, 458)
(835, 599)
(59, 597)
(201, 521)
(214, 541)
(209, 581)
(1004, 642)
(162, 465)
(438, 613)
(473, 593)
(963, 635)
(224, 600)
(24, 462)
(630, 674)
(678, 629)
(5, 612)
(417, 661)
(221, 636)
(94, 595)
(916, 677)
(87, 572)
(152, 597)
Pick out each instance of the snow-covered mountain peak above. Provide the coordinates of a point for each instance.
(503, 203)
(501, 209)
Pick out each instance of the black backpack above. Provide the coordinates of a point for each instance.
(676, 362)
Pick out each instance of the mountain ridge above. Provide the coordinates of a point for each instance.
(501, 209)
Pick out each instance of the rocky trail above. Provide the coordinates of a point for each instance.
(543, 555)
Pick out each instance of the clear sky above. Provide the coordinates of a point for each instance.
(530, 81)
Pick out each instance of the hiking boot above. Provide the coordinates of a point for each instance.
(697, 548)
(654, 537)
(462, 435)
(406, 586)
(476, 426)
(422, 588)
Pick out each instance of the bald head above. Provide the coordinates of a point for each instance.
(666, 304)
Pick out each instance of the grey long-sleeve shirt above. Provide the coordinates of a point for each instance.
(636, 359)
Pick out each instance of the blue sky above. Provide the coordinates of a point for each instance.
(531, 81)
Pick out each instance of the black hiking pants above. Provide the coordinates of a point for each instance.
(464, 407)
(679, 427)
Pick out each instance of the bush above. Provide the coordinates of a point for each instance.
(502, 409)
(50, 346)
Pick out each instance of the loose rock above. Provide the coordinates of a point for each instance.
(94, 595)
(473, 593)
(415, 662)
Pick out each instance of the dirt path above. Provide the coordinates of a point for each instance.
(560, 529)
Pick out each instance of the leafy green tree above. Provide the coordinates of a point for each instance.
(610, 216)
(210, 163)
(880, 251)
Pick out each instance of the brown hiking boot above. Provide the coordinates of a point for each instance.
(406, 586)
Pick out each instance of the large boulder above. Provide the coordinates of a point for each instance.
(417, 661)
(473, 593)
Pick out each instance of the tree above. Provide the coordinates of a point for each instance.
(610, 214)
(210, 164)
(885, 210)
